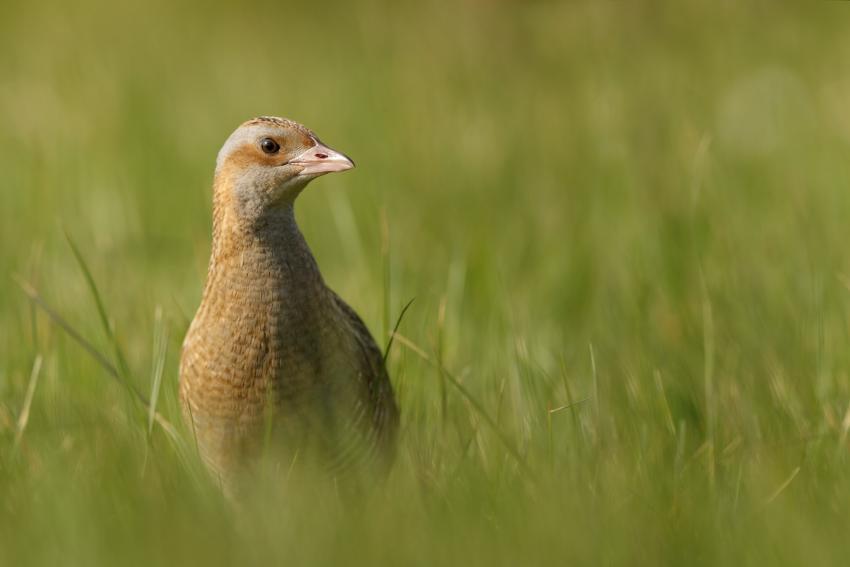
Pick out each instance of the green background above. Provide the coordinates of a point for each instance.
(638, 208)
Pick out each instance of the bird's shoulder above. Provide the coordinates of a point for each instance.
(359, 329)
(372, 366)
(376, 381)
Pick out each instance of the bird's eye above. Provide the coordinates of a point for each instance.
(269, 146)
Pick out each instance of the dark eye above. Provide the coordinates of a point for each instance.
(269, 146)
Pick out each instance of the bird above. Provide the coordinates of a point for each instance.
(274, 359)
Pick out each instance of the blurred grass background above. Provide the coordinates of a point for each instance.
(636, 208)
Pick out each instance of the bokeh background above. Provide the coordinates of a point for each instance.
(624, 225)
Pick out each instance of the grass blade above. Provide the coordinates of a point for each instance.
(23, 417)
(785, 484)
(395, 329)
(123, 368)
(57, 319)
(104, 362)
(160, 352)
(489, 420)
(475, 405)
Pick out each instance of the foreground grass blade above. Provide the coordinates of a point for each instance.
(160, 352)
(101, 309)
(490, 421)
(35, 297)
(23, 417)
(395, 329)
(386, 274)
(474, 403)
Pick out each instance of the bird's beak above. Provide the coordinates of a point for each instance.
(321, 159)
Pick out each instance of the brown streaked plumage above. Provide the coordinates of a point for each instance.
(272, 348)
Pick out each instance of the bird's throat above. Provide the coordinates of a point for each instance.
(265, 264)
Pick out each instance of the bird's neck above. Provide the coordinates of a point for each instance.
(266, 257)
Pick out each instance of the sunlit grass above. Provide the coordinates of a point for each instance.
(624, 229)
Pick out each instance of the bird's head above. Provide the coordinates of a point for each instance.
(267, 161)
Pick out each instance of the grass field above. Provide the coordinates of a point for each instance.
(624, 225)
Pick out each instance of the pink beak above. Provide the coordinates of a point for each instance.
(321, 159)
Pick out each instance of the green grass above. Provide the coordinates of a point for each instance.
(624, 226)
